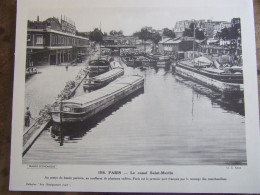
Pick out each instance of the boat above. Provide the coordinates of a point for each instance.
(138, 61)
(154, 56)
(84, 107)
(102, 79)
(98, 66)
(145, 61)
(30, 71)
(163, 61)
(128, 61)
(226, 80)
(132, 62)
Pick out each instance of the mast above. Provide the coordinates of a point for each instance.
(193, 41)
(99, 45)
(100, 41)
(61, 130)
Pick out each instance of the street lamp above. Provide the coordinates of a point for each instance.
(194, 40)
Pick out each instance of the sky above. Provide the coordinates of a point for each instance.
(132, 18)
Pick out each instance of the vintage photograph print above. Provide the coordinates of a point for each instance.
(137, 85)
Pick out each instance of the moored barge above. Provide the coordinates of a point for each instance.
(131, 62)
(98, 66)
(84, 107)
(102, 79)
(224, 81)
(163, 61)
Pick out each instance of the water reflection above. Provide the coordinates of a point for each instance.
(229, 102)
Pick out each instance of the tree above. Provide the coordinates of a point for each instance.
(115, 33)
(96, 36)
(120, 33)
(168, 33)
(189, 32)
(199, 34)
(144, 35)
(232, 34)
(156, 38)
(225, 34)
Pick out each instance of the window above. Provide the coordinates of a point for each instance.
(39, 39)
(53, 39)
(28, 37)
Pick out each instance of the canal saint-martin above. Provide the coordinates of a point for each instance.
(169, 122)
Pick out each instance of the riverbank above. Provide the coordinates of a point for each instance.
(33, 132)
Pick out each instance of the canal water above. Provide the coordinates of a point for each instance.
(169, 123)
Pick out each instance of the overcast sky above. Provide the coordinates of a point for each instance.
(132, 18)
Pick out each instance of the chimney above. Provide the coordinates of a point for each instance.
(38, 19)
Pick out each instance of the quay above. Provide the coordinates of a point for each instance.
(31, 133)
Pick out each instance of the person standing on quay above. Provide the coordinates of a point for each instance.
(27, 117)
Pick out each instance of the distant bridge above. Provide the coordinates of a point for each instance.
(118, 46)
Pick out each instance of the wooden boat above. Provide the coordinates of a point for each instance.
(145, 61)
(154, 56)
(138, 61)
(102, 79)
(226, 80)
(84, 107)
(129, 61)
(98, 66)
(163, 61)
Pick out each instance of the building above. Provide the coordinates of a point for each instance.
(54, 41)
(176, 47)
(209, 28)
(235, 21)
(220, 26)
(180, 26)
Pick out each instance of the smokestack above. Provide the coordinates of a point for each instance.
(38, 18)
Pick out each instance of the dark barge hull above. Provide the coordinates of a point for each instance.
(101, 103)
(128, 63)
(98, 66)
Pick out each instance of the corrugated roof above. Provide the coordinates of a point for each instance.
(94, 96)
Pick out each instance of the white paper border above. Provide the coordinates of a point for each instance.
(245, 180)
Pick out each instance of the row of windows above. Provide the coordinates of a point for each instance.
(170, 45)
(38, 39)
(63, 40)
(56, 40)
